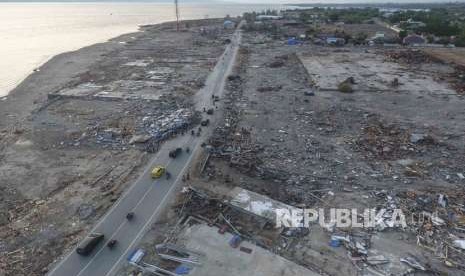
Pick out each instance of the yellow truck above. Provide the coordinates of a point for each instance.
(158, 171)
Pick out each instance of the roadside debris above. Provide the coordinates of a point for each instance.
(346, 85)
(413, 263)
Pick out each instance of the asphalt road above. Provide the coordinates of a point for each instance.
(146, 197)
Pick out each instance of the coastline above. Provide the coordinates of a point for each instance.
(54, 73)
(34, 38)
(62, 153)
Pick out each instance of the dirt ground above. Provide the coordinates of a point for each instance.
(395, 141)
(391, 139)
(451, 55)
(76, 133)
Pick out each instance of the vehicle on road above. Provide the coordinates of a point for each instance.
(130, 216)
(174, 153)
(89, 244)
(112, 243)
(205, 122)
(158, 171)
(210, 111)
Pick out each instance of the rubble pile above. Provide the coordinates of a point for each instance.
(334, 150)
(457, 79)
(410, 57)
(228, 141)
(390, 141)
(140, 124)
(81, 139)
(279, 61)
(434, 220)
(205, 207)
(438, 220)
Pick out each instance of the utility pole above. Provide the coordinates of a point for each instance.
(177, 14)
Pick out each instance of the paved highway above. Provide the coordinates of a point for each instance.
(146, 197)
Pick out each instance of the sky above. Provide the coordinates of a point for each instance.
(340, 1)
(253, 1)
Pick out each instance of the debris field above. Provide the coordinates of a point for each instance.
(91, 130)
(292, 137)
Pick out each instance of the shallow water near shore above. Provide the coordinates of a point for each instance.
(32, 33)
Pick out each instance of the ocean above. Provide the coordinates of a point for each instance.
(32, 33)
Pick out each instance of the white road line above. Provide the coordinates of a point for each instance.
(127, 192)
(142, 231)
(115, 205)
(120, 226)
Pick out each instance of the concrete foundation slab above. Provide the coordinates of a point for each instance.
(222, 259)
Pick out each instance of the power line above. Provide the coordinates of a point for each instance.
(177, 14)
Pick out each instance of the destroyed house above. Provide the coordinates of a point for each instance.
(414, 40)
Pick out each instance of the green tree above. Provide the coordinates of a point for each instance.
(402, 34)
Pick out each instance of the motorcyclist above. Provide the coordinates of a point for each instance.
(130, 216)
(112, 243)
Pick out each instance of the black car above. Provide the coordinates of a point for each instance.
(174, 153)
(89, 243)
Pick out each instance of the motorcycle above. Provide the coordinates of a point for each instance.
(130, 216)
(112, 243)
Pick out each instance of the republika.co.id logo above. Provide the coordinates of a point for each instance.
(341, 218)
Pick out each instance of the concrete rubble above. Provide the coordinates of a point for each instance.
(86, 133)
(288, 139)
(393, 143)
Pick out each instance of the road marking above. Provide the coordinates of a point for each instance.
(121, 225)
(142, 231)
(114, 206)
(149, 166)
(137, 205)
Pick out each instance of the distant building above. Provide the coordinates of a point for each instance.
(293, 41)
(412, 25)
(337, 41)
(378, 35)
(291, 14)
(414, 40)
(378, 38)
(291, 23)
(269, 17)
(228, 24)
(416, 23)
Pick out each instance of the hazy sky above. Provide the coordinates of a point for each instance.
(338, 1)
(254, 1)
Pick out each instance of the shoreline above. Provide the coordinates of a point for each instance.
(54, 74)
(21, 94)
(62, 143)
(86, 28)
(39, 64)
